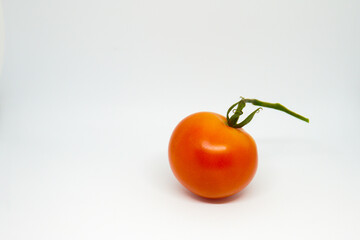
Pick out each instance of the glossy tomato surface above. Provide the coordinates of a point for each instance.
(210, 158)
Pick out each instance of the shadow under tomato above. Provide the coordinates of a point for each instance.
(229, 199)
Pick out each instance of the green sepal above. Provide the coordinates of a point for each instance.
(238, 112)
(247, 120)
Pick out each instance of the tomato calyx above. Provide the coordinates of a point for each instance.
(237, 108)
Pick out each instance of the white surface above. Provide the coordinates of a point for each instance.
(1, 37)
(91, 91)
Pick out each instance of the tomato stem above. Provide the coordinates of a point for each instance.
(232, 121)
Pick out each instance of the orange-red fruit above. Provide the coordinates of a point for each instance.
(210, 158)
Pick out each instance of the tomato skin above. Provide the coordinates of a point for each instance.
(210, 158)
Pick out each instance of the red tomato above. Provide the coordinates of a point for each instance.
(210, 158)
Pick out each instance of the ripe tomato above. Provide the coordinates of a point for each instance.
(213, 156)
(210, 158)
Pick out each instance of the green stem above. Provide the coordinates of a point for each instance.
(237, 108)
(276, 106)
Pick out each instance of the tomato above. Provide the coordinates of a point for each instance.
(210, 158)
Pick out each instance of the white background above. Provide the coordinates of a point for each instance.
(91, 90)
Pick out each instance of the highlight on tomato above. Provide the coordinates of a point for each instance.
(211, 155)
